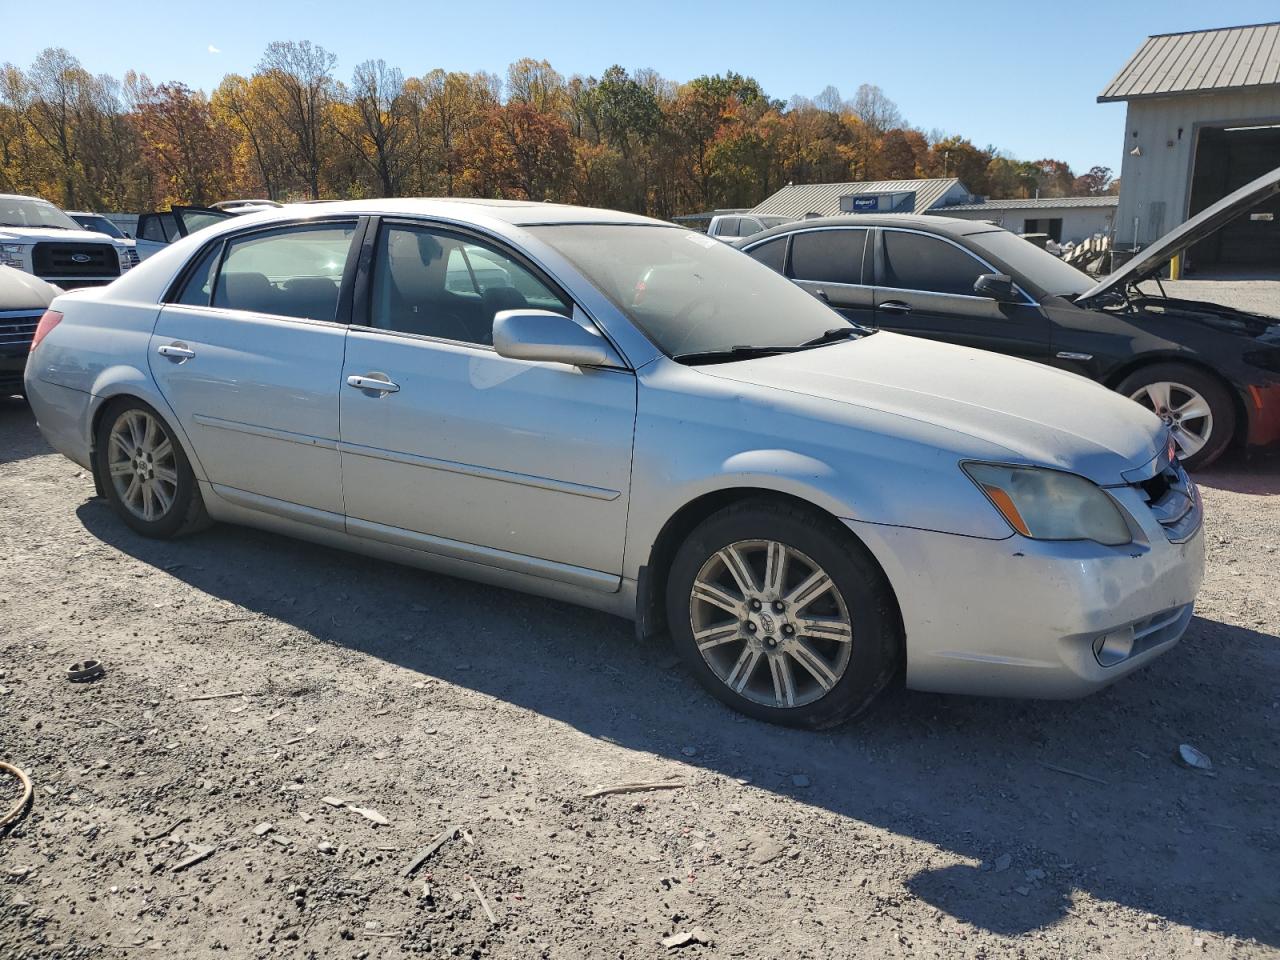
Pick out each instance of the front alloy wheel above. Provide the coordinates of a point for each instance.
(770, 623)
(781, 612)
(1195, 406)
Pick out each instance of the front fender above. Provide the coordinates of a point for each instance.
(687, 447)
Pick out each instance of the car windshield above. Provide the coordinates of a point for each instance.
(688, 292)
(99, 225)
(27, 212)
(1038, 267)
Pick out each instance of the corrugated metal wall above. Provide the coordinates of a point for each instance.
(1155, 187)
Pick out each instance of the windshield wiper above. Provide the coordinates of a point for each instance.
(748, 351)
(836, 334)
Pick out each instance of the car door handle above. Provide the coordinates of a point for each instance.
(822, 295)
(177, 352)
(373, 384)
(894, 306)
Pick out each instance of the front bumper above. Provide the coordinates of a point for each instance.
(1026, 618)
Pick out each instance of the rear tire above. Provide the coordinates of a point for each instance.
(1195, 404)
(744, 622)
(144, 473)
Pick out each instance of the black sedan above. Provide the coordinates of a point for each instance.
(1211, 372)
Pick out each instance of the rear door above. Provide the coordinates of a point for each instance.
(829, 263)
(924, 287)
(248, 353)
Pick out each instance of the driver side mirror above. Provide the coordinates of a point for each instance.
(542, 335)
(997, 286)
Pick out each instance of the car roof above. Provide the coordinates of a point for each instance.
(948, 226)
(515, 212)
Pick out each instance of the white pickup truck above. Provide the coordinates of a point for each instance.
(38, 238)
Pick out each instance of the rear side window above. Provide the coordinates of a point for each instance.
(293, 272)
(772, 253)
(913, 261)
(728, 227)
(198, 289)
(156, 226)
(828, 256)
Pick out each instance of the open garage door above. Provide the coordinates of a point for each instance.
(1228, 158)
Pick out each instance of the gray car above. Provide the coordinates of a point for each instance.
(610, 410)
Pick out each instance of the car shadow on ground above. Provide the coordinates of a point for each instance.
(971, 776)
(1254, 472)
(19, 436)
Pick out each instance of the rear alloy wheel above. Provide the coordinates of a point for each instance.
(145, 474)
(1195, 406)
(782, 615)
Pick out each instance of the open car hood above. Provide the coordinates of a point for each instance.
(1176, 241)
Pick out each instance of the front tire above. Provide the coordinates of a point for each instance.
(145, 474)
(1195, 405)
(783, 615)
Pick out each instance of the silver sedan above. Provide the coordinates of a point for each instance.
(614, 411)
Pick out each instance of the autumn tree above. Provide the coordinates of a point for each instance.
(188, 152)
(299, 93)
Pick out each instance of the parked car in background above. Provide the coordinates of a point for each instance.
(159, 229)
(1211, 372)
(98, 223)
(635, 417)
(731, 226)
(247, 206)
(38, 238)
(23, 300)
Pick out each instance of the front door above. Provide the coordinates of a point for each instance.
(249, 356)
(451, 449)
(925, 288)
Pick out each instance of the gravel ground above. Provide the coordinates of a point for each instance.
(937, 826)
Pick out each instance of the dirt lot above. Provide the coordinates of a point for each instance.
(938, 826)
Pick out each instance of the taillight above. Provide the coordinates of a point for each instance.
(48, 321)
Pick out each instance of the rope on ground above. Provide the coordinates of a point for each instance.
(19, 808)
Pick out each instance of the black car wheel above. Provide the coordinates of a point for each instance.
(145, 473)
(783, 615)
(1195, 405)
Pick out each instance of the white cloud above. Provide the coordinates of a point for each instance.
(213, 49)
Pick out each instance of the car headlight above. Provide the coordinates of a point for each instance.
(12, 254)
(1049, 504)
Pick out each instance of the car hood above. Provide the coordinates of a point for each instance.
(1036, 414)
(40, 234)
(22, 291)
(1179, 239)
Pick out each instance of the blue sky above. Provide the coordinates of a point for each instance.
(1023, 76)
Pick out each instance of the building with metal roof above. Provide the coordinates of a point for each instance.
(1203, 118)
(870, 196)
(1065, 219)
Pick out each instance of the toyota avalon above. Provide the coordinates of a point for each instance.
(615, 411)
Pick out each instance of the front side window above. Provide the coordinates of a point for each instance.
(690, 293)
(828, 256)
(913, 261)
(291, 272)
(440, 284)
